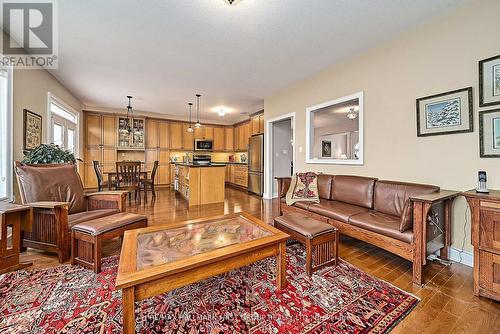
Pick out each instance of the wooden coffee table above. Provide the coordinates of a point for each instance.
(158, 259)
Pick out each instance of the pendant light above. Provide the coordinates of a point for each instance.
(198, 124)
(190, 129)
(130, 115)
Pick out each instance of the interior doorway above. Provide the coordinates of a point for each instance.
(280, 154)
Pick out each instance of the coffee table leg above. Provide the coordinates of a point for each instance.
(281, 266)
(128, 310)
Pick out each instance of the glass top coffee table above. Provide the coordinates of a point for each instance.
(159, 259)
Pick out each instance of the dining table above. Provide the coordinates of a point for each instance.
(112, 175)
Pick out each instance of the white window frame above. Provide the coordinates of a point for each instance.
(310, 131)
(9, 159)
(52, 118)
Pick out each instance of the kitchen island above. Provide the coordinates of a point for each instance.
(200, 184)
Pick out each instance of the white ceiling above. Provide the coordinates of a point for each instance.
(164, 51)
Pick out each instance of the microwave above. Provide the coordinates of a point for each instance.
(203, 145)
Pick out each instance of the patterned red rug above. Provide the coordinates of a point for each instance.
(69, 299)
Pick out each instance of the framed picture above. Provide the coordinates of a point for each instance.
(32, 132)
(446, 113)
(489, 81)
(489, 133)
(326, 149)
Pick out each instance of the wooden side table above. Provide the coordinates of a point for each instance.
(13, 219)
(485, 213)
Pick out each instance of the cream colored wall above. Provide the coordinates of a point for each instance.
(439, 56)
(31, 88)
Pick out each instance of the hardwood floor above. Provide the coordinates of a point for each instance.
(447, 303)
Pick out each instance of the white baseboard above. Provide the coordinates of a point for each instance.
(467, 258)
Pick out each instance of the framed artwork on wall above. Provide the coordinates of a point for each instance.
(326, 149)
(32, 130)
(489, 133)
(445, 113)
(489, 81)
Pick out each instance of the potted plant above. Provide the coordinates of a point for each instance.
(49, 154)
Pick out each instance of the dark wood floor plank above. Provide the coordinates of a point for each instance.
(447, 302)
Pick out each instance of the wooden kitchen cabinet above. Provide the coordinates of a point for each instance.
(176, 136)
(219, 138)
(100, 145)
(209, 132)
(261, 123)
(151, 133)
(164, 135)
(257, 124)
(187, 138)
(243, 134)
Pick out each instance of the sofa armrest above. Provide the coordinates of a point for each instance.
(48, 205)
(107, 200)
(283, 185)
(436, 197)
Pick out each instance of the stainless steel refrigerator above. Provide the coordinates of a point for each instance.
(256, 164)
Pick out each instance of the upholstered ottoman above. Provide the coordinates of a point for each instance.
(87, 237)
(321, 239)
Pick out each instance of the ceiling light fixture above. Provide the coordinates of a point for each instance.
(197, 124)
(130, 116)
(190, 129)
(221, 112)
(352, 114)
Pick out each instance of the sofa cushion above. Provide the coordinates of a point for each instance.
(81, 217)
(307, 226)
(336, 210)
(104, 224)
(325, 186)
(53, 183)
(381, 223)
(390, 197)
(301, 205)
(355, 190)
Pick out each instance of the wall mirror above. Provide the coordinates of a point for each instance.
(335, 131)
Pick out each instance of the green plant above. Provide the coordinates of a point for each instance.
(48, 154)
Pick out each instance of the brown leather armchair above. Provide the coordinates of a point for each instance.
(56, 194)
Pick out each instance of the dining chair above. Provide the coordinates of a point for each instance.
(101, 183)
(149, 183)
(128, 177)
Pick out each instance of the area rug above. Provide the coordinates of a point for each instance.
(70, 299)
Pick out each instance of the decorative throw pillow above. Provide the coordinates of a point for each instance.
(303, 188)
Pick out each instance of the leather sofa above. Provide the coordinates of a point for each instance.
(56, 194)
(407, 219)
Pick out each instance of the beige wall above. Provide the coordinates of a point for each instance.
(31, 88)
(439, 56)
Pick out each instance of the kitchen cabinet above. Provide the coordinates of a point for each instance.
(100, 135)
(176, 136)
(257, 124)
(237, 175)
(218, 138)
(151, 133)
(242, 133)
(229, 138)
(131, 139)
(164, 135)
(187, 138)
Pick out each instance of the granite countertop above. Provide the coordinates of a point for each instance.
(195, 166)
(213, 164)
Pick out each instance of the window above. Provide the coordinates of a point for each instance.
(63, 125)
(5, 133)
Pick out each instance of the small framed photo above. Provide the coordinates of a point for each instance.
(489, 133)
(32, 130)
(489, 81)
(446, 113)
(326, 149)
